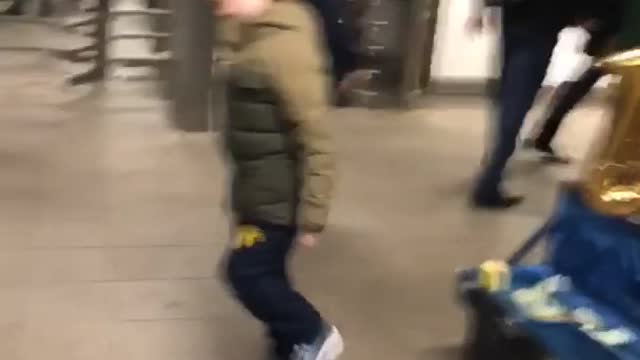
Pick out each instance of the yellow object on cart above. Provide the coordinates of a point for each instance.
(494, 276)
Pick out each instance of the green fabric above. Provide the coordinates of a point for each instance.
(629, 36)
(260, 140)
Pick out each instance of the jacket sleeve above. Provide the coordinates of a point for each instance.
(298, 70)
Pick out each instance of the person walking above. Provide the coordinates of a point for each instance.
(281, 153)
(530, 31)
(343, 28)
(619, 29)
(337, 24)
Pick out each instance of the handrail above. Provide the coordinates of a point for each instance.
(96, 51)
(99, 16)
(92, 24)
(138, 35)
(134, 12)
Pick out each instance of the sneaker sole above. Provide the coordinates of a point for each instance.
(333, 347)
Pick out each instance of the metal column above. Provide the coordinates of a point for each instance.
(398, 43)
(419, 51)
(191, 47)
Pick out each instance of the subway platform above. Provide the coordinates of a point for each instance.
(112, 225)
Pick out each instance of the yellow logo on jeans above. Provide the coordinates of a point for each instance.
(247, 236)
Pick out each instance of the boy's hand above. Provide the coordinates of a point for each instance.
(309, 240)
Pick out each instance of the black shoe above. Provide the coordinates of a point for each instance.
(495, 202)
(547, 154)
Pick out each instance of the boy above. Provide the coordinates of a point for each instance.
(279, 143)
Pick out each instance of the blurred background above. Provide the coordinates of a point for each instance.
(112, 217)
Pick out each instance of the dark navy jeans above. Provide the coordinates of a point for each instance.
(526, 57)
(258, 276)
(340, 36)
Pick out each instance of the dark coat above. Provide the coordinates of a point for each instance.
(341, 34)
(544, 16)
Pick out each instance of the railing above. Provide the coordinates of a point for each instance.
(93, 24)
(30, 13)
(96, 19)
(184, 29)
(158, 58)
(26, 10)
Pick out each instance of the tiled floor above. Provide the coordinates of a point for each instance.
(111, 227)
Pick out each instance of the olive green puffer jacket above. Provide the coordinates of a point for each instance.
(267, 173)
(278, 126)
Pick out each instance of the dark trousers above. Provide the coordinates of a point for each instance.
(340, 36)
(258, 276)
(565, 100)
(526, 54)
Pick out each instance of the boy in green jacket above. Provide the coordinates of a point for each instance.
(281, 152)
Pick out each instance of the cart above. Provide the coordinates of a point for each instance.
(601, 257)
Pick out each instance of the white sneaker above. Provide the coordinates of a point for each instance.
(328, 346)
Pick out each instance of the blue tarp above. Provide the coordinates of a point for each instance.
(601, 256)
